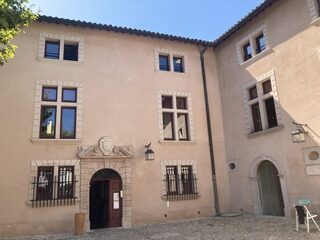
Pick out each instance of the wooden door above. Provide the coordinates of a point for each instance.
(115, 204)
(270, 190)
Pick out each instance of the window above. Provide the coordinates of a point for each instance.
(58, 47)
(52, 49)
(252, 45)
(68, 122)
(48, 122)
(256, 118)
(178, 64)
(66, 108)
(247, 51)
(44, 183)
(262, 106)
(164, 64)
(181, 183)
(70, 51)
(51, 190)
(65, 182)
(49, 94)
(175, 118)
(271, 113)
(260, 43)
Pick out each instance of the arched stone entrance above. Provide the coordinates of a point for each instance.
(92, 160)
(105, 205)
(255, 188)
(270, 189)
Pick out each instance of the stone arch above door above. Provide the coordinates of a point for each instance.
(123, 167)
(253, 177)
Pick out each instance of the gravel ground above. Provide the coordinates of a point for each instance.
(236, 228)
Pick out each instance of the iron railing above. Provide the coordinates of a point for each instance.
(53, 192)
(180, 187)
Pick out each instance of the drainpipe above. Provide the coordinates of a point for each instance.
(213, 168)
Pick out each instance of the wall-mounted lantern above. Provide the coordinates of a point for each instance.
(149, 154)
(299, 133)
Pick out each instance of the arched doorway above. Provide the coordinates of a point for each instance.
(270, 189)
(105, 199)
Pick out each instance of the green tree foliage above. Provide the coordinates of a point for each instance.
(14, 15)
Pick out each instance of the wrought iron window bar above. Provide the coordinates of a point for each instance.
(53, 192)
(180, 187)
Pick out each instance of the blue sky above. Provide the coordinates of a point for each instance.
(202, 19)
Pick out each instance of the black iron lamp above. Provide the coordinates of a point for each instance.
(149, 154)
(299, 133)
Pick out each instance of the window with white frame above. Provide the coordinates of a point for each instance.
(261, 103)
(252, 45)
(58, 110)
(170, 61)
(175, 117)
(60, 47)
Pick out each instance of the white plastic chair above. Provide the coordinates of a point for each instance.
(303, 215)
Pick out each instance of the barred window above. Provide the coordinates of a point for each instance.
(51, 190)
(181, 183)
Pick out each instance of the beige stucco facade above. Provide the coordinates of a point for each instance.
(119, 88)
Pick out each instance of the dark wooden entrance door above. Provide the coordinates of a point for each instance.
(270, 189)
(105, 199)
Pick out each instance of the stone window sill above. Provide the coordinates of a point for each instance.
(265, 132)
(256, 58)
(177, 143)
(56, 141)
(67, 62)
(316, 22)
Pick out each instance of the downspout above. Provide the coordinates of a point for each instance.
(206, 99)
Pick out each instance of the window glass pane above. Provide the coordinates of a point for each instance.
(271, 113)
(261, 43)
(164, 63)
(183, 126)
(247, 51)
(69, 95)
(49, 94)
(266, 86)
(181, 102)
(68, 122)
(70, 52)
(256, 118)
(187, 179)
(253, 93)
(44, 183)
(48, 122)
(52, 49)
(65, 186)
(172, 179)
(178, 64)
(167, 102)
(168, 126)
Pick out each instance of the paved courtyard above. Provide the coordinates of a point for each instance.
(242, 228)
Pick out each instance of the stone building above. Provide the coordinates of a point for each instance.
(81, 102)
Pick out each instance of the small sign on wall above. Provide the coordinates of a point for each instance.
(313, 170)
